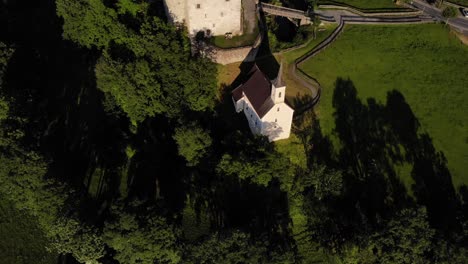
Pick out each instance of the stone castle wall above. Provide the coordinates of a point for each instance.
(227, 56)
(217, 16)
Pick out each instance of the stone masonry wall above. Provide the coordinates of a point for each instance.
(217, 16)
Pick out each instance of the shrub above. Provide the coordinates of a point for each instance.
(449, 11)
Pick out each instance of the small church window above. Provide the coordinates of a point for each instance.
(198, 6)
(278, 109)
(250, 115)
(279, 96)
(255, 122)
(276, 120)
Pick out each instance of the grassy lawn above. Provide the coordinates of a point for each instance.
(426, 63)
(21, 242)
(460, 2)
(294, 88)
(294, 149)
(228, 73)
(323, 33)
(235, 41)
(365, 4)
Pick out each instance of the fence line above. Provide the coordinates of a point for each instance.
(455, 4)
(299, 73)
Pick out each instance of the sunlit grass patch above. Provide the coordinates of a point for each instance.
(425, 63)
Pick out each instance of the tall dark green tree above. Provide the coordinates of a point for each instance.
(193, 143)
(257, 169)
(89, 23)
(147, 69)
(143, 239)
(405, 239)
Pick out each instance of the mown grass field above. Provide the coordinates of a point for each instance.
(21, 242)
(426, 63)
(460, 2)
(322, 34)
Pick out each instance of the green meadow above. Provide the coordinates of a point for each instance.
(425, 63)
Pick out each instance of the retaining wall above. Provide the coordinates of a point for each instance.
(368, 14)
(247, 53)
(226, 56)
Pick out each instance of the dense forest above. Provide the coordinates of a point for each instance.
(111, 128)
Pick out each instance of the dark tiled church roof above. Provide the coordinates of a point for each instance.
(257, 89)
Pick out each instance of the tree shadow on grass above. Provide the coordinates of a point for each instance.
(65, 118)
(374, 140)
(53, 86)
(232, 203)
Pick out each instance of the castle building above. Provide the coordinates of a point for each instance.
(214, 17)
(263, 104)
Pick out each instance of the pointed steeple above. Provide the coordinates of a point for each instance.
(278, 82)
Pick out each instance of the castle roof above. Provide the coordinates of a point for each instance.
(257, 89)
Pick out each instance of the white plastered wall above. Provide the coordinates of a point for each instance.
(277, 124)
(239, 105)
(176, 10)
(278, 93)
(255, 123)
(218, 16)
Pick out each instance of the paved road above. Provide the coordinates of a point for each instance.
(459, 23)
(344, 16)
(332, 15)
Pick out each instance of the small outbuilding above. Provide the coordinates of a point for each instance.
(263, 104)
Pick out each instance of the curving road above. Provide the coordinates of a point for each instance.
(343, 17)
(430, 15)
(459, 23)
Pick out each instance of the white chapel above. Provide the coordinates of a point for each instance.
(263, 104)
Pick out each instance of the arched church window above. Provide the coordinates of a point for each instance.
(279, 96)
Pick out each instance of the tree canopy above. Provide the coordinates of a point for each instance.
(112, 139)
(192, 142)
(147, 68)
(146, 239)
